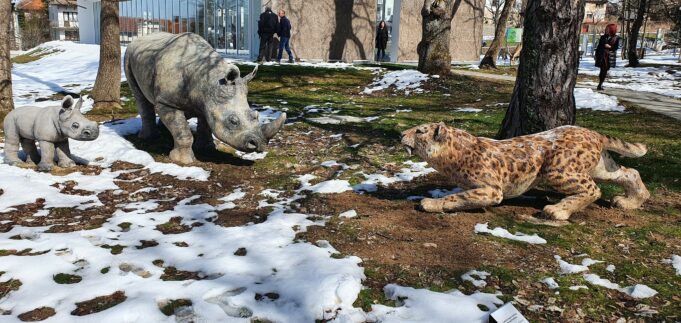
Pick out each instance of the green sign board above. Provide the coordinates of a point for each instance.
(514, 35)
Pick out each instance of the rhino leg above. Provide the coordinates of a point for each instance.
(182, 136)
(46, 156)
(204, 137)
(32, 155)
(64, 157)
(11, 145)
(146, 111)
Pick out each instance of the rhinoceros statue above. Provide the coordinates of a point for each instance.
(181, 76)
(51, 127)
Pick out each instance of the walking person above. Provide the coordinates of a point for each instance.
(606, 52)
(267, 27)
(284, 33)
(381, 40)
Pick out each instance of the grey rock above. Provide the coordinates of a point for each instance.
(51, 127)
(180, 76)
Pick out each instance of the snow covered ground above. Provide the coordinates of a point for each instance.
(234, 266)
(70, 67)
(403, 80)
(645, 79)
(256, 271)
(666, 57)
(586, 98)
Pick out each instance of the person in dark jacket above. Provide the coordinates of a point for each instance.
(381, 40)
(606, 52)
(268, 25)
(284, 36)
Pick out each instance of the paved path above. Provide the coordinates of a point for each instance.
(662, 104)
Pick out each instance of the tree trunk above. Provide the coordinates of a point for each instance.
(433, 50)
(490, 59)
(6, 102)
(633, 33)
(107, 90)
(543, 97)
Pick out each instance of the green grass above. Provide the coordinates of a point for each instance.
(62, 278)
(33, 55)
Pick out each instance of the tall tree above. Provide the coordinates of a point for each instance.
(543, 97)
(433, 50)
(107, 90)
(6, 103)
(490, 58)
(633, 33)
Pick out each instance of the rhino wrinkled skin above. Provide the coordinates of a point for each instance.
(181, 76)
(51, 127)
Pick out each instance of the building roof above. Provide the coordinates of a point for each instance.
(67, 3)
(70, 3)
(30, 5)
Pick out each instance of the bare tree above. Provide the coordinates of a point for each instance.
(633, 33)
(490, 58)
(107, 90)
(6, 103)
(543, 97)
(433, 50)
(495, 7)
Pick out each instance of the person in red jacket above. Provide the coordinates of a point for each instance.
(606, 52)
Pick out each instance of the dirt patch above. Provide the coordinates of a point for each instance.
(38, 314)
(173, 274)
(99, 304)
(9, 286)
(173, 226)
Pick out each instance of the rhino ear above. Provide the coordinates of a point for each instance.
(251, 75)
(66, 108)
(67, 103)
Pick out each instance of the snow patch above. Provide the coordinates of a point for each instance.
(422, 305)
(477, 282)
(473, 110)
(568, 268)
(636, 291)
(550, 283)
(348, 214)
(675, 261)
(503, 233)
(403, 80)
(586, 98)
(407, 174)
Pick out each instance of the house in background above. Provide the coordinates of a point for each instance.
(596, 16)
(323, 30)
(63, 15)
(15, 29)
(33, 22)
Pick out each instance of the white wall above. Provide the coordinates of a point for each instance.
(86, 20)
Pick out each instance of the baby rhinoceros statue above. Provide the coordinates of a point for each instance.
(181, 76)
(51, 127)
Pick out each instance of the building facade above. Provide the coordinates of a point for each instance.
(63, 19)
(323, 30)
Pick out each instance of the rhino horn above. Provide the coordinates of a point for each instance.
(271, 129)
(79, 104)
(251, 75)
